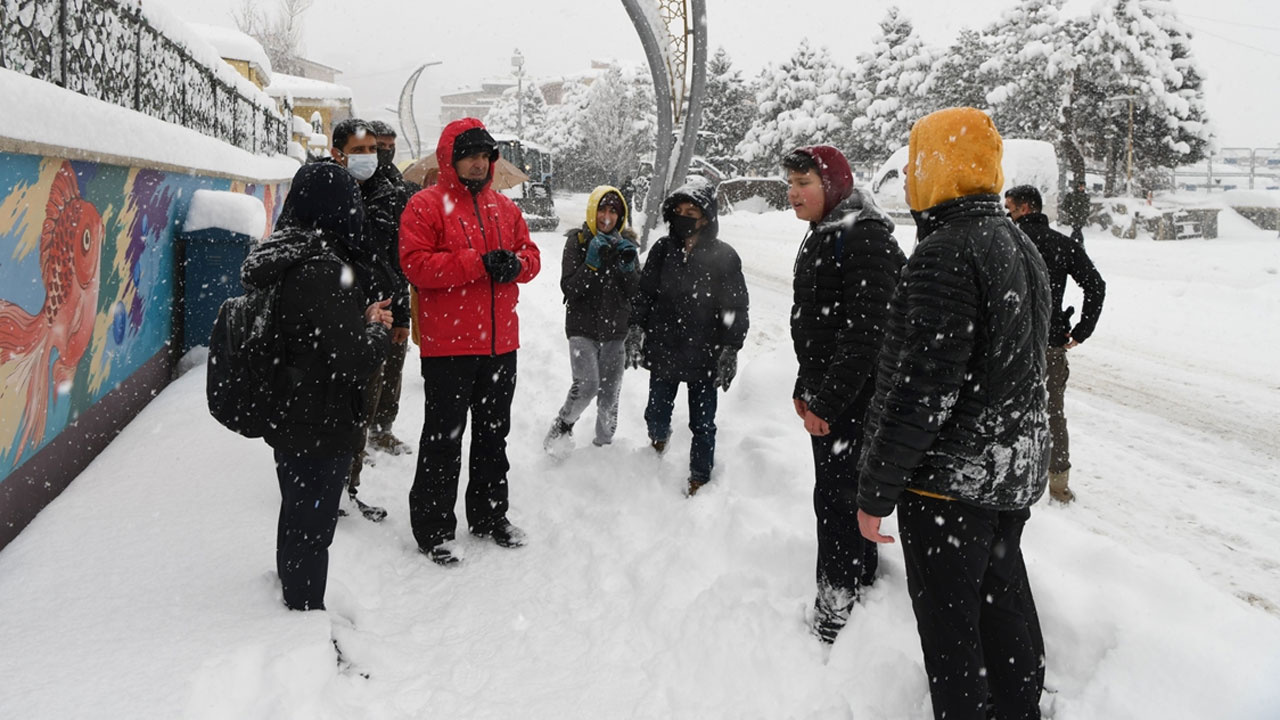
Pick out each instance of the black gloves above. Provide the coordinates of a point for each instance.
(502, 265)
(634, 346)
(726, 367)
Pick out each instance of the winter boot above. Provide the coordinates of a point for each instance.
(389, 444)
(1058, 489)
(659, 446)
(831, 610)
(559, 440)
(372, 513)
(503, 534)
(695, 484)
(446, 554)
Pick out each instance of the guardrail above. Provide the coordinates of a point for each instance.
(107, 49)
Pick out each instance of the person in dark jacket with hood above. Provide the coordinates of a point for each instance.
(845, 273)
(335, 338)
(599, 272)
(688, 322)
(466, 248)
(958, 432)
(1065, 258)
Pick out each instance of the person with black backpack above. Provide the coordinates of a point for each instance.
(332, 339)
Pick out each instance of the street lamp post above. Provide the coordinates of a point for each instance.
(517, 62)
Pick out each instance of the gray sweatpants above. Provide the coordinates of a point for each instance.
(597, 373)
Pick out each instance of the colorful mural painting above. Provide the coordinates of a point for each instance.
(87, 284)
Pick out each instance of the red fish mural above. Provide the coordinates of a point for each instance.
(70, 250)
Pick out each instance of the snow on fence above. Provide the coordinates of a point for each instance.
(116, 51)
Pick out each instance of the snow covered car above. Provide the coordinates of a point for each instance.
(1026, 162)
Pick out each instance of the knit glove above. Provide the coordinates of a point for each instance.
(634, 346)
(726, 367)
(502, 265)
(627, 254)
(599, 244)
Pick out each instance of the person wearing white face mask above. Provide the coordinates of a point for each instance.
(355, 147)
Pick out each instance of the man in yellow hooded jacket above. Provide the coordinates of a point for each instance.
(958, 430)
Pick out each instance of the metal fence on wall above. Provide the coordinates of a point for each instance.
(108, 50)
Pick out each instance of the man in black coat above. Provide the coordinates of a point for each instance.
(1064, 258)
(688, 322)
(1074, 211)
(845, 272)
(335, 338)
(958, 432)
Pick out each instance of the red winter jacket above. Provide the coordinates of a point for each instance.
(444, 231)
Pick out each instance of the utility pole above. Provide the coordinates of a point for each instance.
(517, 62)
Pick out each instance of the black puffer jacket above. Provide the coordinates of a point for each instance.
(960, 407)
(845, 274)
(1065, 257)
(597, 302)
(384, 202)
(690, 305)
(331, 350)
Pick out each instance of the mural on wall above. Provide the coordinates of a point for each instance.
(86, 284)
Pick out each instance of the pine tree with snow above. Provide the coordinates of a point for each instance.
(617, 127)
(1027, 87)
(798, 103)
(893, 88)
(957, 78)
(1138, 54)
(728, 108)
(524, 115)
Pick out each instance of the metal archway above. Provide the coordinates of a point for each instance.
(679, 82)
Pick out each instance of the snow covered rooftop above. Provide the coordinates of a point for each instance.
(63, 118)
(300, 87)
(232, 44)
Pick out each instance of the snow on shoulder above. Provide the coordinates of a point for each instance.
(232, 211)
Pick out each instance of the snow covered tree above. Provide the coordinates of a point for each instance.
(1137, 53)
(280, 35)
(798, 103)
(1027, 89)
(614, 129)
(728, 108)
(956, 77)
(893, 88)
(524, 115)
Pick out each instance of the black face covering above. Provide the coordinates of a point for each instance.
(683, 227)
(386, 157)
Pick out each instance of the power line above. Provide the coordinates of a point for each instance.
(1233, 41)
(1230, 22)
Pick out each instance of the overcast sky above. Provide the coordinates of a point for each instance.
(377, 43)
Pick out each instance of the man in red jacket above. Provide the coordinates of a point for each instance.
(465, 246)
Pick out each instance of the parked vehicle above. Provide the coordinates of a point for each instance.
(533, 196)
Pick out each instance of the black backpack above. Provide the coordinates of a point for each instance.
(246, 359)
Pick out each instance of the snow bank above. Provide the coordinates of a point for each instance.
(237, 212)
(62, 118)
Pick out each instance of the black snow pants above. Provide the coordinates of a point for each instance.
(483, 385)
(974, 610)
(310, 489)
(846, 560)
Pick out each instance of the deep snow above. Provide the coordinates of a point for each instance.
(147, 589)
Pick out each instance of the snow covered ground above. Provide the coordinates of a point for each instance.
(147, 589)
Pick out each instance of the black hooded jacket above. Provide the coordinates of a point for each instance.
(1065, 257)
(385, 198)
(691, 305)
(845, 273)
(960, 402)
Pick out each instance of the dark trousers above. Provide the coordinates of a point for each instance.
(372, 389)
(702, 419)
(384, 416)
(846, 560)
(310, 488)
(484, 385)
(1056, 382)
(974, 609)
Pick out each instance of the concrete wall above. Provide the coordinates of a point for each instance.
(88, 310)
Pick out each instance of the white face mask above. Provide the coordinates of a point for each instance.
(362, 167)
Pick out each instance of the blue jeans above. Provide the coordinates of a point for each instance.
(702, 419)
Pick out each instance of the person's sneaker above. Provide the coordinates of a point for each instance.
(559, 439)
(389, 444)
(446, 554)
(504, 534)
(659, 446)
(695, 484)
(831, 610)
(370, 512)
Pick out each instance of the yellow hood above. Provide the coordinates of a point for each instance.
(953, 153)
(593, 205)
